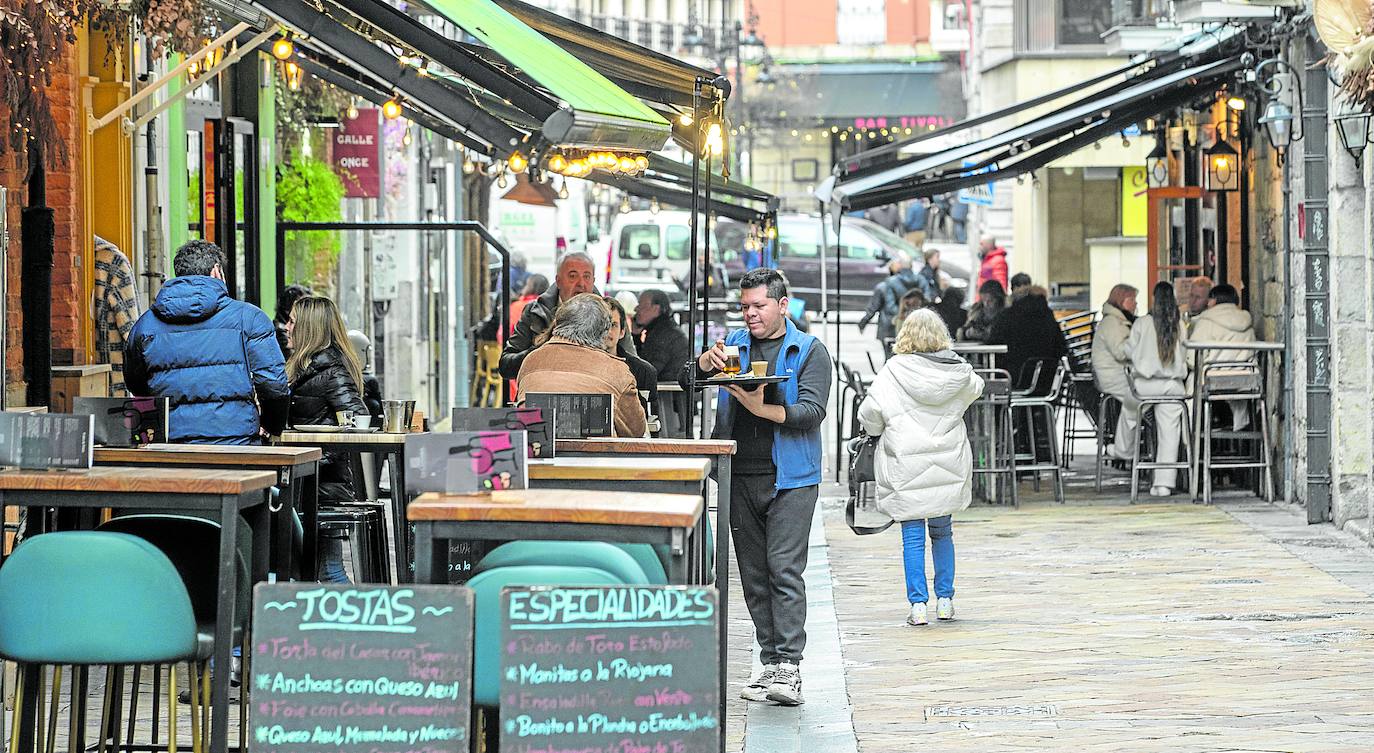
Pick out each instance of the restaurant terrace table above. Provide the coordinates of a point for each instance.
(556, 514)
(981, 355)
(670, 475)
(1261, 349)
(378, 443)
(296, 469)
(217, 494)
(721, 454)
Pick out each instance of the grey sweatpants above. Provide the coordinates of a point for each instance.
(771, 533)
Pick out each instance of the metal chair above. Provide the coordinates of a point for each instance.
(1235, 381)
(1108, 412)
(990, 431)
(486, 379)
(1044, 407)
(363, 525)
(857, 388)
(1147, 406)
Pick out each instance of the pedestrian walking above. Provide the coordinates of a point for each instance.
(1160, 368)
(923, 464)
(777, 473)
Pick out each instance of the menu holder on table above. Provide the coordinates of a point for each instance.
(126, 421)
(463, 462)
(539, 423)
(361, 668)
(578, 416)
(47, 440)
(609, 668)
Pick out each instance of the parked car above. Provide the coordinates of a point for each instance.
(863, 254)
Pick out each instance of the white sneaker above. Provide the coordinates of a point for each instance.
(917, 615)
(786, 687)
(757, 689)
(1161, 491)
(944, 608)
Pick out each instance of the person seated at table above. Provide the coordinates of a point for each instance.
(912, 300)
(574, 358)
(991, 300)
(1224, 321)
(285, 300)
(1159, 367)
(326, 378)
(950, 307)
(576, 274)
(1028, 329)
(1110, 361)
(216, 358)
(646, 376)
(1020, 286)
(661, 342)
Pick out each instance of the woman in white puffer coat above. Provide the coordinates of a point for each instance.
(923, 464)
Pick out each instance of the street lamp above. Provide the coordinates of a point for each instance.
(1278, 124)
(1157, 163)
(1353, 128)
(1278, 117)
(1223, 166)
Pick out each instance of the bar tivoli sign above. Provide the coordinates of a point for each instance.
(1344, 27)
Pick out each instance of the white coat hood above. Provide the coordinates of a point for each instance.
(1227, 317)
(923, 464)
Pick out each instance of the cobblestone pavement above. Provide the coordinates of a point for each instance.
(1093, 627)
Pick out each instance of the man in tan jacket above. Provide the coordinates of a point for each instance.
(574, 359)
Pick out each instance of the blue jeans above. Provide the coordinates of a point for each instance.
(914, 558)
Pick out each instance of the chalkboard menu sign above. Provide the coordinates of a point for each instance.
(466, 462)
(538, 423)
(577, 416)
(46, 440)
(371, 669)
(609, 669)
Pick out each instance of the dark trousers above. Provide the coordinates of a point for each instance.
(771, 531)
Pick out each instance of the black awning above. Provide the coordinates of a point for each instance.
(669, 171)
(1100, 114)
(639, 70)
(887, 93)
(676, 197)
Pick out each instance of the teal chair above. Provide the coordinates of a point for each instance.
(87, 598)
(486, 589)
(634, 564)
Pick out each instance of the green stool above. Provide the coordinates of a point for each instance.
(632, 567)
(93, 598)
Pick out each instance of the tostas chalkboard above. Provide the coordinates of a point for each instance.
(372, 669)
(609, 670)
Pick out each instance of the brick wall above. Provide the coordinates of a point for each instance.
(64, 195)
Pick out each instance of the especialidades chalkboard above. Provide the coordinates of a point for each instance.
(373, 669)
(613, 669)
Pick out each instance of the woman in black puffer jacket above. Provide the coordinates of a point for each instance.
(325, 375)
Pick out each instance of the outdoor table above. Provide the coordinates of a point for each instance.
(378, 443)
(981, 355)
(675, 475)
(557, 514)
(720, 452)
(1261, 348)
(220, 495)
(296, 469)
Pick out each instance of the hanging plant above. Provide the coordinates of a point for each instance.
(175, 25)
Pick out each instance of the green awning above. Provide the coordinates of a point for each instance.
(602, 114)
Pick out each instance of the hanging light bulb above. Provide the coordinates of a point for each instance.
(352, 111)
(469, 167)
(686, 119)
(501, 180)
(517, 162)
(626, 164)
(283, 48)
(558, 163)
(625, 205)
(406, 139)
(641, 162)
(563, 189)
(194, 70)
(295, 76)
(653, 205)
(391, 109)
(715, 139)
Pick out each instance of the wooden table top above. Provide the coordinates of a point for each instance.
(145, 480)
(621, 468)
(209, 454)
(29, 409)
(341, 437)
(643, 446)
(561, 506)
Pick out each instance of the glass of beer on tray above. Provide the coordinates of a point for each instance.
(732, 364)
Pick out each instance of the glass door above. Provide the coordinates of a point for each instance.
(236, 231)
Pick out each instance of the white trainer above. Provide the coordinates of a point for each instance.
(944, 608)
(1160, 491)
(786, 687)
(917, 615)
(757, 689)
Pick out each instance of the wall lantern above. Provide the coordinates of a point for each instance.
(1278, 124)
(1223, 166)
(1157, 163)
(1353, 128)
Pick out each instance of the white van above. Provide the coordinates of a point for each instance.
(647, 250)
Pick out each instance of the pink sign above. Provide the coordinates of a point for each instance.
(357, 155)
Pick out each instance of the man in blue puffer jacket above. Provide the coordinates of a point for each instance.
(215, 357)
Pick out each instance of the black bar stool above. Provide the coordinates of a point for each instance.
(363, 526)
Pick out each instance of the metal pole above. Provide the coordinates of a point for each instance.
(839, 406)
(706, 272)
(692, 273)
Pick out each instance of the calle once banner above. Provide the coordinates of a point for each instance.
(357, 154)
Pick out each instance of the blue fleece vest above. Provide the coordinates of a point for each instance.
(797, 454)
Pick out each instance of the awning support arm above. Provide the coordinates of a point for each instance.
(94, 124)
(229, 59)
